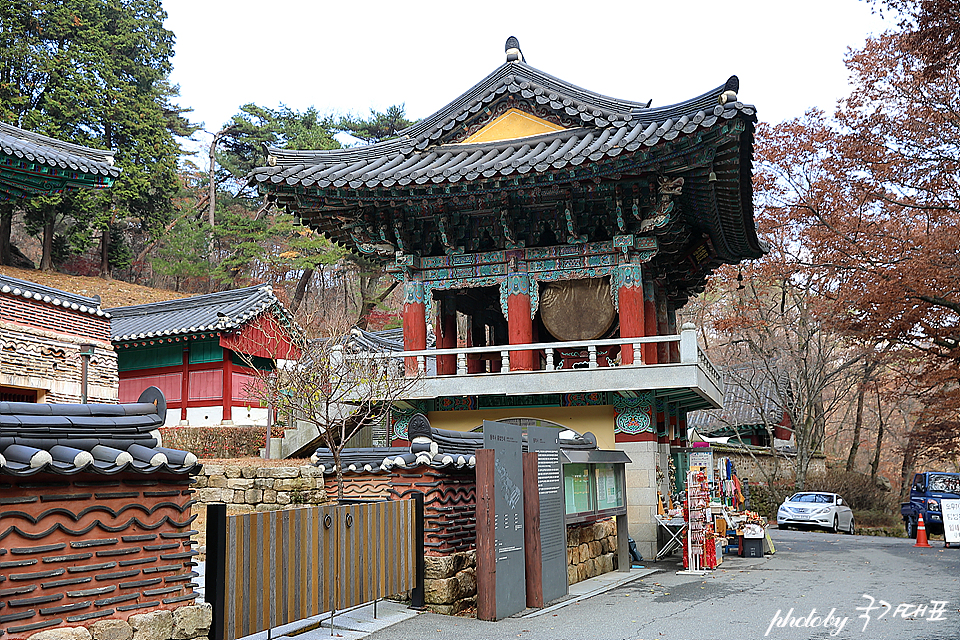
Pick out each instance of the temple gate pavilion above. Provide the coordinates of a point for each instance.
(549, 234)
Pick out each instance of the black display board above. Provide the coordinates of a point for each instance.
(507, 441)
(553, 531)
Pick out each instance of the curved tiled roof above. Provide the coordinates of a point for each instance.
(223, 311)
(424, 153)
(56, 297)
(98, 438)
(34, 147)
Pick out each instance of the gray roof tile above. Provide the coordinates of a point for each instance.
(34, 147)
(223, 311)
(99, 438)
(33, 291)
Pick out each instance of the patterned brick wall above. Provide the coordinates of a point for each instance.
(77, 549)
(360, 487)
(449, 506)
(40, 349)
(43, 315)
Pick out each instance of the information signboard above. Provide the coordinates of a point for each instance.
(701, 459)
(506, 440)
(545, 441)
(950, 510)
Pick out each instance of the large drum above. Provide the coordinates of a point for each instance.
(577, 309)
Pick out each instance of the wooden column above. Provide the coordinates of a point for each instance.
(227, 387)
(532, 554)
(476, 337)
(185, 384)
(414, 322)
(519, 320)
(649, 322)
(629, 282)
(446, 334)
(672, 330)
(663, 349)
(486, 536)
(498, 336)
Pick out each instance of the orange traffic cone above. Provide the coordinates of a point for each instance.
(921, 534)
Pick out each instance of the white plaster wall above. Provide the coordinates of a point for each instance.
(213, 416)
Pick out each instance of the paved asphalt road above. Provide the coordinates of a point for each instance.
(811, 573)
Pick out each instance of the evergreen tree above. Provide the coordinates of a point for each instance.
(378, 127)
(94, 72)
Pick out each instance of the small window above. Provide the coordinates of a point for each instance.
(15, 394)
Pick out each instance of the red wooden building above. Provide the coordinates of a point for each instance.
(555, 232)
(203, 352)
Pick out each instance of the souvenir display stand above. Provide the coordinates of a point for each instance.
(699, 529)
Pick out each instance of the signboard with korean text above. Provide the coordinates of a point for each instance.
(545, 441)
(951, 520)
(506, 440)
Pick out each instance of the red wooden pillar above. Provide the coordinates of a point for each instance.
(414, 322)
(446, 334)
(629, 282)
(649, 322)
(185, 384)
(476, 337)
(227, 387)
(519, 320)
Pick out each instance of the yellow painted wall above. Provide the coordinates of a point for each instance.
(597, 419)
(513, 124)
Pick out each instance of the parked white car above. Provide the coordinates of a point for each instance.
(816, 509)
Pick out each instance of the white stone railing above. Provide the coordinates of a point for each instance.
(690, 353)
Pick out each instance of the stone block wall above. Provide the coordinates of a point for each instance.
(591, 550)
(450, 582)
(260, 488)
(191, 622)
(756, 464)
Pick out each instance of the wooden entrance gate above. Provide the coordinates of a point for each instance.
(268, 569)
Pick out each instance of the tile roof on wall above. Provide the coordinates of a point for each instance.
(98, 438)
(33, 291)
(223, 311)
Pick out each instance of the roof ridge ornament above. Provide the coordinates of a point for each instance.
(730, 90)
(512, 50)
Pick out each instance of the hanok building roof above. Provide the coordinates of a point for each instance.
(100, 438)
(32, 164)
(524, 159)
(225, 313)
(752, 402)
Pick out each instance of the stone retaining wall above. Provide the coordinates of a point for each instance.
(186, 623)
(591, 550)
(450, 582)
(260, 488)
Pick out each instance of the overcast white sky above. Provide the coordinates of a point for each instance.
(352, 56)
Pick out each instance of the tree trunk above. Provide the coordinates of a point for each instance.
(301, 289)
(212, 187)
(6, 225)
(46, 262)
(907, 468)
(369, 304)
(105, 253)
(875, 467)
(857, 426)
